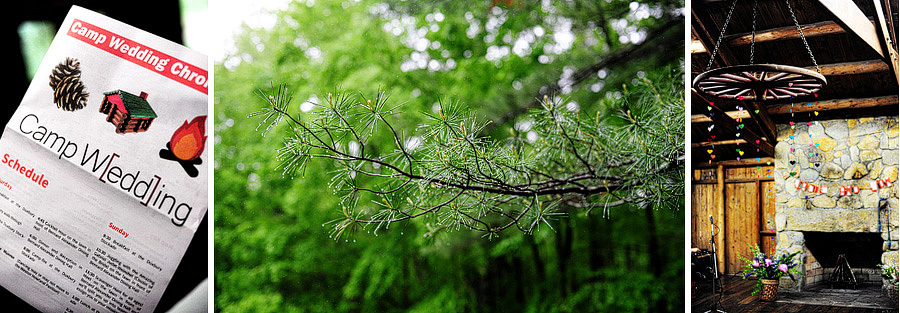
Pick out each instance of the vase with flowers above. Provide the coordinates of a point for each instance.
(768, 270)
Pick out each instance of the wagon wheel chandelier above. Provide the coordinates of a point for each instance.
(759, 82)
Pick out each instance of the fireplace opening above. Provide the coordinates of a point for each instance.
(862, 250)
(842, 260)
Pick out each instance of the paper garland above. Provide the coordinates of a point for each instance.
(843, 190)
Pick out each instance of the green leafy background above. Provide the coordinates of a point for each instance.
(272, 247)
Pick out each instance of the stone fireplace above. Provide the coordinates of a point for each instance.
(836, 193)
(861, 250)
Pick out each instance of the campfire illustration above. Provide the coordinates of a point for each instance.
(187, 145)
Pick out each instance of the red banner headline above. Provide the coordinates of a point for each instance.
(139, 54)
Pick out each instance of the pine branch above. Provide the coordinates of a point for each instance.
(460, 179)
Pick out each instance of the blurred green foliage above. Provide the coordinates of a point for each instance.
(272, 247)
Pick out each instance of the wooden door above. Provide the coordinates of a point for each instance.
(742, 222)
(703, 204)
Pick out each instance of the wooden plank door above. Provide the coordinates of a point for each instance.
(703, 204)
(741, 222)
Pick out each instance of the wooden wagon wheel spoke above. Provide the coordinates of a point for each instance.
(753, 77)
(739, 78)
(726, 91)
(773, 94)
(776, 76)
(723, 80)
(784, 90)
(743, 92)
(715, 87)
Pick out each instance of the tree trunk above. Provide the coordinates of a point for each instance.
(536, 258)
(563, 255)
(656, 265)
(652, 242)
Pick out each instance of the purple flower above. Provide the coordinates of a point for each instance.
(783, 268)
(768, 262)
(755, 263)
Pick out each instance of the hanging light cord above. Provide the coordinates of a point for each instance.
(805, 44)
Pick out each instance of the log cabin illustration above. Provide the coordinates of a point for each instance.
(128, 112)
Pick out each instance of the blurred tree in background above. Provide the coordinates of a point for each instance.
(613, 65)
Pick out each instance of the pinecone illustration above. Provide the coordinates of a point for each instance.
(68, 91)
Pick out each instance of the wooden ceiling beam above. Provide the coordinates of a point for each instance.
(706, 31)
(890, 56)
(852, 68)
(855, 21)
(837, 104)
(700, 118)
(787, 33)
(890, 22)
(737, 163)
(697, 46)
(719, 143)
(778, 34)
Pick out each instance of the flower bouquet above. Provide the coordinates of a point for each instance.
(768, 269)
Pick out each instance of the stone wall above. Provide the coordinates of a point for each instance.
(835, 153)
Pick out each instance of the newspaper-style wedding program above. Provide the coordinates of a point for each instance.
(103, 180)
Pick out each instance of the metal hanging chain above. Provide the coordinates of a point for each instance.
(805, 44)
(753, 33)
(712, 56)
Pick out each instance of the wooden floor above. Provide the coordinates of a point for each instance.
(736, 298)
